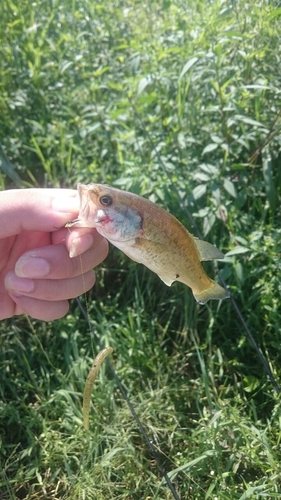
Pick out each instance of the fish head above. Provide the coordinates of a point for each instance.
(110, 211)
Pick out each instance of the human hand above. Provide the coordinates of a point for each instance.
(37, 275)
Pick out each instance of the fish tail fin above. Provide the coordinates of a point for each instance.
(215, 291)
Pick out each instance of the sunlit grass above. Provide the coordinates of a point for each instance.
(173, 101)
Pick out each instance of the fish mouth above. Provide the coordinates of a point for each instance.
(102, 221)
(102, 218)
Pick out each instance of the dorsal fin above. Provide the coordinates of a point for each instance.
(207, 251)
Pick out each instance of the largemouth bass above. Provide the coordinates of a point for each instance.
(151, 236)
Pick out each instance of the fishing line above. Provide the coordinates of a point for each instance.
(198, 233)
(250, 336)
(123, 391)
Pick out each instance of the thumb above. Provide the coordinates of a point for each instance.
(36, 210)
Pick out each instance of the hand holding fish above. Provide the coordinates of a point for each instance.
(37, 276)
(151, 236)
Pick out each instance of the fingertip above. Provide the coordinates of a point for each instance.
(66, 204)
(39, 309)
(79, 241)
(80, 244)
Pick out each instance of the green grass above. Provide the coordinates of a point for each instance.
(180, 102)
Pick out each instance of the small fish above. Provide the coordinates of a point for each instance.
(151, 236)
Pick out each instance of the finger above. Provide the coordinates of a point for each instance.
(49, 290)
(7, 306)
(53, 261)
(77, 241)
(40, 309)
(36, 209)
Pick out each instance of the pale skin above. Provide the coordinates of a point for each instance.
(37, 274)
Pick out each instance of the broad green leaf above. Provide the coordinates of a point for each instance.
(210, 169)
(188, 65)
(200, 176)
(249, 121)
(208, 223)
(199, 191)
(144, 82)
(237, 250)
(209, 148)
(241, 240)
(216, 139)
(229, 187)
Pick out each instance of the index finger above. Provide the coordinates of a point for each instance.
(36, 209)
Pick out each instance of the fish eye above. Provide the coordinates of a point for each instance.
(106, 200)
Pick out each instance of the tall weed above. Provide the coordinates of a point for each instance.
(179, 102)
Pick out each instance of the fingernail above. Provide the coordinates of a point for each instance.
(74, 248)
(32, 267)
(80, 244)
(65, 205)
(18, 285)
